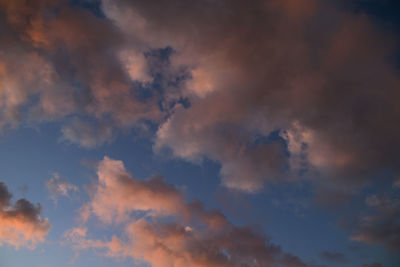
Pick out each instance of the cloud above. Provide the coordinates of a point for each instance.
(86, 134)
(116, 194)
(59, 187)
(78, 237)
(60, 61)
(268, 96)
(162, 228)
(253, 75)
(381, 227)
(20, 223)
(334, 257)
(271, 90)
(39, 79)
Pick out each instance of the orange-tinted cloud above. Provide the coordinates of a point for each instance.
(20, 224)
(164, 229)
(116, 194)
(62, 61)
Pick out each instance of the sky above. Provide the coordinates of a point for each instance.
(199, 133)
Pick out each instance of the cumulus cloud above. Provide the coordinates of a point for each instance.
(20, 223)
(382, 226)
(59, 187)
(164, 229)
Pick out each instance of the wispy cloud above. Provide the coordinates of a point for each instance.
(58, 187)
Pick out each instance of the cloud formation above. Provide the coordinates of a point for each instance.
(61, 61)
(116, 195)
(164, 229)
(20, 223)
(270, 90)
(261, 68)
(59, 187)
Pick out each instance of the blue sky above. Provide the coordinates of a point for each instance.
(279, 118)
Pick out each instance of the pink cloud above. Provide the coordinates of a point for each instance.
(116, 194)
(170, 231)
(311, 70)
(20, 224)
